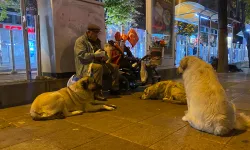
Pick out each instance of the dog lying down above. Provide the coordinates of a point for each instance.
(209, 110)
(69, 101)
(171, 91)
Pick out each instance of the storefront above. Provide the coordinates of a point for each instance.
(206, 22)
(18, 47)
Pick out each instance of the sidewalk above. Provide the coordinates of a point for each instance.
(135, 125)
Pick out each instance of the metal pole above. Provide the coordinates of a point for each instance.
(198, 44)
(12, 53)
(186, 46)
(149, 14)
(209, 37)
(232, 48)
(38, 46)
(174, 36)
(25, 39)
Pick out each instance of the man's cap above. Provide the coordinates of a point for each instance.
(93, 27)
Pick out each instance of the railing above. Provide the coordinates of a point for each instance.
(236, 54)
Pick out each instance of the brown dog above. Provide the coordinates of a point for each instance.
(170, 91)
(69, 101)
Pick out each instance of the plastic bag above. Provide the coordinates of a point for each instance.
(71, 81)
(143, 72)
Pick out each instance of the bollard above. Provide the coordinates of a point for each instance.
(38, 46)
(12, 53)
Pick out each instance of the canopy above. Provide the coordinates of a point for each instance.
(189, 12)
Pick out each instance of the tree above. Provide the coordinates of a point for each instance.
(14, 5)
(185, 28)
(8, 4)
(247, 19)
(223, 51)
(121, 12)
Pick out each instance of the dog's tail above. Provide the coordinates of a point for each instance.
(242, 122)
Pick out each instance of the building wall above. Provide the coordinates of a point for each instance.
(69, 20)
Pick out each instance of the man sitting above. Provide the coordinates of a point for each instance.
(90, 58)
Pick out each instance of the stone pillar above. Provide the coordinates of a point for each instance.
(149, 11)
(160, 20)
(62, 22)
(222, 48)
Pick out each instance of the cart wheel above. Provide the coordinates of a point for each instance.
(124, 83)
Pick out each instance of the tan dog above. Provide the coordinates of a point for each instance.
(171, 91)
(69, 101)
(209, 110)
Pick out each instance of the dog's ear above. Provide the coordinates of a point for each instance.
(183, 65)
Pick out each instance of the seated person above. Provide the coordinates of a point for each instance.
(90, 59)
(114, 52)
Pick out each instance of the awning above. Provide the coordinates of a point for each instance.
(189, 12)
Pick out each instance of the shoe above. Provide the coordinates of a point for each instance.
(100, 97)
(113, 92)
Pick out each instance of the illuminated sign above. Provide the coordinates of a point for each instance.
(15, 27)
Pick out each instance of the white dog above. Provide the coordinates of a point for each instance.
(208, 107)
(69, 101)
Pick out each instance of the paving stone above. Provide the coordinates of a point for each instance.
(48, 127)
(26, 120)
(110, 143)
(186, 139)
(142, 134)
(169, 122)
(13, 112)
(240, 141)
(100, 121)
(5, 124)
(34, 144)
(73, 137)
(12, 136)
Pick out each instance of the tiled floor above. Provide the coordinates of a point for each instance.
(135, 125)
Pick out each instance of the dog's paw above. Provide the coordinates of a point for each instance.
(110, 105)
(220, 130)
(167, 99)
(78, 112)
(184, 118)
(106, 107)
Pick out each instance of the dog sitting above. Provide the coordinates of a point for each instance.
(170, 91)
(69, 101)
(208, 107)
